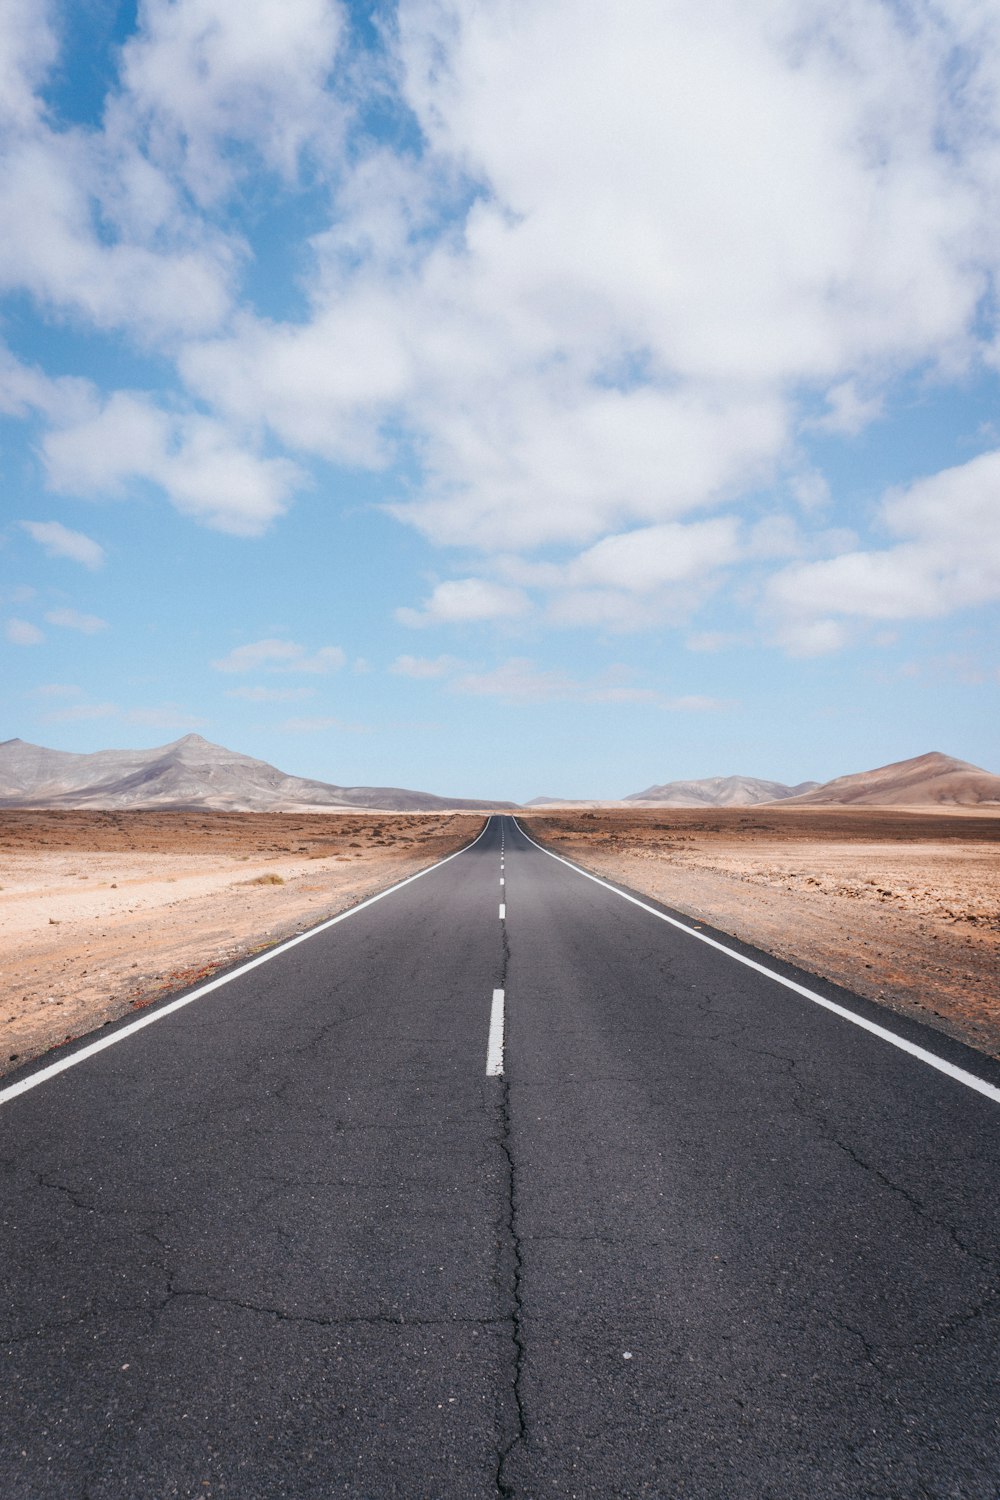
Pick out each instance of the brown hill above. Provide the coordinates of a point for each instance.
(189, 773)
(717, 791)
(933, 780)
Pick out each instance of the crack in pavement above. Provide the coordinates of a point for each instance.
(319, 1320)
(510, 1267)
(511, 1235)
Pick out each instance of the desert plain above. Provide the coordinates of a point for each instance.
(899, 905)
(103, 913)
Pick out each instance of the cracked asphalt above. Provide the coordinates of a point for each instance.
(702, 1239)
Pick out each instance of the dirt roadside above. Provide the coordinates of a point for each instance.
(103, 913)
(902, 907)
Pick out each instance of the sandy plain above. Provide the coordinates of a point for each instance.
(101, 913)
(900, 906)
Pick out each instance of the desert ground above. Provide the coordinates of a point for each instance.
(900, 906)
(103, 913)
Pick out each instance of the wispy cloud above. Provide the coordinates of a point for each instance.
(317, 723)
(72, 619)
(519, 680)
(23, 633)
(166, 716)
(425, 667)
(81, 712)
(57, 690)
(275, 655)
(271, 695)
(59, 541)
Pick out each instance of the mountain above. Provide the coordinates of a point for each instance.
(719, 791)
(933, 780)
(189, 773)
(557, 802)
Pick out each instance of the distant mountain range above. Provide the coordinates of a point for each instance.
(925, 781)
(719, 791)
(193, 773)
(190, 773)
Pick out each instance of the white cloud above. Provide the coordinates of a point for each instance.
(52, 248)
(28, 49)
(711, 641)
(633, 579)
(57, 690)
(72, 619)
(270, 695)
(739, 210)
(849, 411)
(59, 541)
(425, 667)
(810, 489)
(947, 557)
(319, 723)
(88, 224)
(274, 655)
(203, 74)
(205, 470)
(739, 213)
(163, 716)
(23, 633)
(518, 680)
(79, 713)
(806, 637)
(466, 600)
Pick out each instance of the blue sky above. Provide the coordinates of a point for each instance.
(502, 400)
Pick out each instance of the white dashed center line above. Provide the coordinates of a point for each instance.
(494, 1047)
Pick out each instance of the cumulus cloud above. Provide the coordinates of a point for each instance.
(205, 74)
(59, 541)
(23, 633)
(590, 308)
(591, 350)
(848, 411)
(947, 557)
(204, 469)
(464, 601)
(72, 619)
(276, 655)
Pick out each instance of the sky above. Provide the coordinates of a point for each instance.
(502, 400)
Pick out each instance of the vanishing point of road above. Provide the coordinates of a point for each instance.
(503, 1184)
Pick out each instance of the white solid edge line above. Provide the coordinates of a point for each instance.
(43, 1074)
(494, 1047)
(988, 1090)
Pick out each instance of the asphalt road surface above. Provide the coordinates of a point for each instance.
(503, 1190)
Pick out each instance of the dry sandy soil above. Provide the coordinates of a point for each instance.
(900, 906)
(103, 913)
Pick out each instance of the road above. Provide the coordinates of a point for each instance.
(513, 1190)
